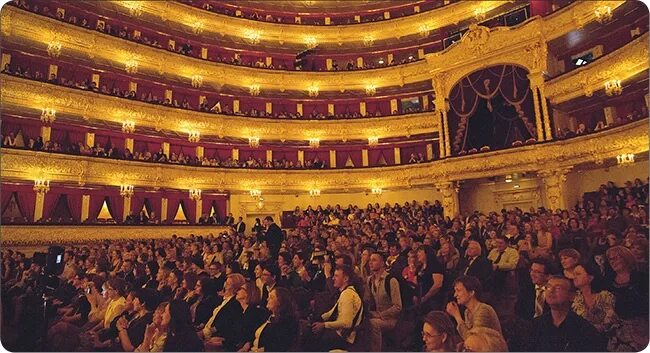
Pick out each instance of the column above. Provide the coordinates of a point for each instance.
(542, 120)
(397, 155)
(85, 207)
(429, 152)
(332, 159)
(163, 209)
(53, 69)
(169, 95)
(269, 155)
(198, 209)
(328, 21)
(416, 8)
(6, 59)
(299, 108)
(165, 147)
(90, 139)
(46, 132)
(393, 106)
(441, 110)
(38, 207)
(554, 187)
(328, 64)
(389, 58)
(610, 115)
(235, 106)
(547, 119)
(204, 53)
(449, 192)
(301, 157)
(235, 154)
(364, 157)
(128, 144)
(359, 62)
(386, 15)
(362, 108)
(425, 102)
(127, 206)
(269, 107)
(133, 86)
(95, 78)
(330, 109)
(420, 53)
(200, 151)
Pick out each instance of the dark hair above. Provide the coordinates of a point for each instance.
(380, 254)
(441, 322)
(471, 283)
(180, 323)
(430, 254)
(597, 283)
(148, 297)
(153, 267)
(208, 286)
(272, 268)
(119, 285)
(269, 219)
(540, 260)
(286, 304)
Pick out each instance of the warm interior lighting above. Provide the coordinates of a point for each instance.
(194, 136)
(311, 41)
(54, 49)
(313, 91)
(104, 212)
(368, 40)
(479, 14)
(255, 193)
(254, 90)
(625, 159)
(424, 30)
(252, 35)
(371, 89)
(613, 88)
(128, 127)
(314, 143)
(603, 14)
(195, 194)
(134, 7)
(376, 191)
(381, 61)
(254, 142)
(260, 203)
(197, 27)
(373, 141)
(131, 66)
(197, 81)
(508, 179)
(126, 190)
(48, 115)
(41, 186)
(314, 192)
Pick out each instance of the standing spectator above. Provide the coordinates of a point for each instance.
(383, 299)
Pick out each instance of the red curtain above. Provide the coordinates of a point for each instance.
(26, 198)
(95, 205)
(51, 198)
(342, 156)
(173, 202)
(375, 156)
(116, 206)
(75, 198)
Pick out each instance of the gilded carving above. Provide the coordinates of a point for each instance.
(553, 180)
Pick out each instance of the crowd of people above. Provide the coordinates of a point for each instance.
(214, 107)
(407, 277)
(582, 128)
(181, 46)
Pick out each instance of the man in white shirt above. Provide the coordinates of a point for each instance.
(340, 323)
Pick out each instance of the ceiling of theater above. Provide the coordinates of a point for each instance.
(331, 7)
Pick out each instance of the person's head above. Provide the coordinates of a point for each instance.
(438, 332)
(473, 248)
(297, 261)
(116, 287)
(205, 286)
(233, 283)
(466, 289)
(484, 339)
(343, 276)
(174, 278)
(268, 220)
(270, 274)
(540, 269)
(559, 292)
(569, 258)
(258, 271)
(145, 299)
(640, 250)
(501, 244)
(377, 262)
(587, 275)
(189, 280)
(177, 317)
(248, 293)
(151, 269)
(621, 259)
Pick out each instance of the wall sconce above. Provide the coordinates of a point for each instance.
(310, 41)
(254, 90)
(368, 40)
(197, 81)
(195, 194)
(479, 14)
(373, 141)
(603, 14)
(613, 88)
(252, 35)
(194, 136)
(376, 191)
(625, 159)
(254, 142)
(424, 30)
(197, 27)
(508, 178)
(128, 127)
(371, 89)
(54, 49)
(314, 192)
(131, 66)
(41, 186)
(314, 143)
(134, 7)
(260, 203)
(313, 91)
(255, 193)
(48, 115)
(126, 190)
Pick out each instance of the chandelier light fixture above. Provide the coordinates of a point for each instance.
(128, 127)
(134, 7)
(131, 66)
(311, 42)
(371, 89)
(254, 142)
(313, 91)
(254, 90)
(255, 193)
(368, 40)
(625, 159)
(373, 141)
(194, 136)
(197, 81)
(195, 194)
(41, 186)
(603, 14)
(613, 88)
(376, 191)
(314, 143)
(424, 30)
(126, 190)
(54, 49)
(197, 27)
(314, 192)
(253, 36)
(48, 115)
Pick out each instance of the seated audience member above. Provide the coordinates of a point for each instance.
(484, 339)
(220, 331)
(206, 301)
(254, 315)
(131, 331)
(629, 286)
(474, 263)
(338, 329)
(560, 329)
(531, 301)
(383, 300)
(280, 331)
(467, 290)
(155, 333)
(181, 336)
(439, 333)
(430, 278)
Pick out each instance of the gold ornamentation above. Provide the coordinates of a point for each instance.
(126, 190)
(613, 88)
(54, 49)
(41, 186)
(195, 194)
(254, 90)
(197, 81)
(131, 66)
(48, 115)
(603, 14)
(128, 127)
(254, 142)
(194, 136)
(554, 186)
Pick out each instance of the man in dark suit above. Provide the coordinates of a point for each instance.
(273, 237)
(532, 293)
(240, 226)
(476, 264)
(230, 220)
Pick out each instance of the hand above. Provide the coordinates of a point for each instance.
(317, 327)
(453, 310)
(150, 330)
(121, 323)
(246, 347)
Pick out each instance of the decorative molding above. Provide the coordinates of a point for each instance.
(479, 48)
(606, 144)
(621, 64)
(64, 234)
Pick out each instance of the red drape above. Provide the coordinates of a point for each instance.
(95, 205)
(26, 198)
(354, 154)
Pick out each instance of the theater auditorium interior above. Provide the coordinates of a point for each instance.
(324, 175)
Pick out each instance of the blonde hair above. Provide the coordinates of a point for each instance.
(626, 255)
(237, 281)
(491, 339)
